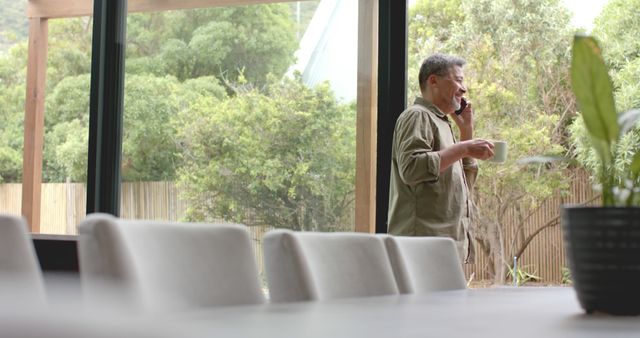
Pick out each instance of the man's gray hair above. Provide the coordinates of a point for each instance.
(438, 64)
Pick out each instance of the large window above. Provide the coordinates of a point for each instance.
(242, 114)
(66, 128)
(517, 78)
(64, 136)
(518, 57)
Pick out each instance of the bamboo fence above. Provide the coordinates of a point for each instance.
(64, 205)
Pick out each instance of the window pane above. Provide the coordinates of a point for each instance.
(62, 203)
(64, 168)
(13, 63)
(518, 56)
(242, 114)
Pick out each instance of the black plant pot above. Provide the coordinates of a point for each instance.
(603, 248)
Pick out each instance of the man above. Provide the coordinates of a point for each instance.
(432, 174)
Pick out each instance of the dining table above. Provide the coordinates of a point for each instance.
(518, 312)
(541, 312)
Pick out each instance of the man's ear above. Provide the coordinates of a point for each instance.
(432, 80)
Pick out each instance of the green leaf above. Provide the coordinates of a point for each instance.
(635, 165)
(603, 149)
(593, 89)
(628, 120)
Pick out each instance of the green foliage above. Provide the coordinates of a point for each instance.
(286, 156)
(605, 130)
(69, 101)
(617, 27)
(12, 93)
(14, 24)
(431, 24)
(627, 86)
(594, 92)
(173, 58)
(509, 183)
(612, 163)
(526, 43)
(221, 42)
(69, 49)
(566, 275)
(193, 89)
(65, 153)
(66, 131)
(522, 276)
(150, 152)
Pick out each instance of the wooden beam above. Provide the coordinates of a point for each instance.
(34, 122)
(72, 8)
(367, 116)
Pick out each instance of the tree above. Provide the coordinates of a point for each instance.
(149, 151)
(14, 25)
(617, 29)
(431, 24)
(286, 155)
(200, 48)
(223, 42)
(69, 49)
(67, 130)
(10, 144)
(12, 89)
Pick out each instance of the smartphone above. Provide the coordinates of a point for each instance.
(463, 105)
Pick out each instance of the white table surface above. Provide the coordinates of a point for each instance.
(539, 312)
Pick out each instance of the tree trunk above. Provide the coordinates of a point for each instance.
(488, 235)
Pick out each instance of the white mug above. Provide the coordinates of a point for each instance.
(499, 152)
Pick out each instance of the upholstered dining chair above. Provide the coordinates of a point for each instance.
(167, 266)
(20, 273)
(424, 264)
(305, 266)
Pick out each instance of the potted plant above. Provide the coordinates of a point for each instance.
(603, 242)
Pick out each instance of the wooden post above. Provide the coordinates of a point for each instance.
(34, 122)
(72, 8)
(366, 124)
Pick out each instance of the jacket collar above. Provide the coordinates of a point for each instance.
(430, 106)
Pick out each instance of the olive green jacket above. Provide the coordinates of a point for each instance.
(423, 201)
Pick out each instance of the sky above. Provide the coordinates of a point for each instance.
(584, 12)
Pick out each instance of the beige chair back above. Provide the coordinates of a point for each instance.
(424, 264)
(21, 278)
(304, 266)
(168, 266)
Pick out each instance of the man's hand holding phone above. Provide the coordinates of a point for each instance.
(463, 117)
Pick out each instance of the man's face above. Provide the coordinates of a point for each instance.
(451, 88)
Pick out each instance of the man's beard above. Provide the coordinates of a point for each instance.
(456, 104)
